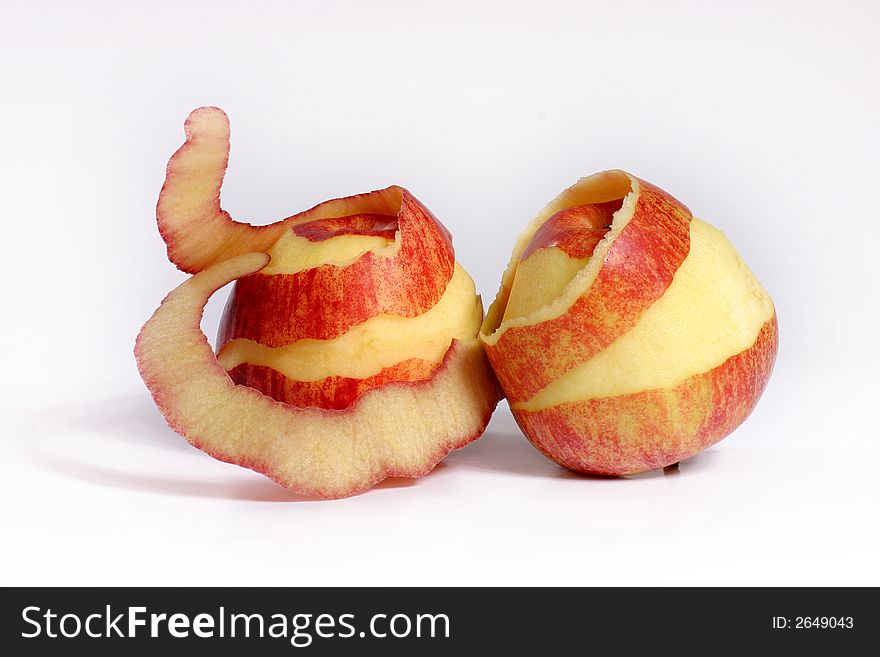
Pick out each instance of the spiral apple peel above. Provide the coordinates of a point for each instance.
(627, 334)
(348, 350)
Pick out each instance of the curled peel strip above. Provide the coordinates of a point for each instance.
(400, 429)
(605, 300)
(198, 232)
(407, 280)
(407, 283)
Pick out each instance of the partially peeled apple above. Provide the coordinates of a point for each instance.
(627, 334)
(348, 350)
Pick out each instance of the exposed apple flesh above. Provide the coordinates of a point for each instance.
(558, 251)
(317, 290)
(379, 342)
(294, 252)
(350, 340)
(672, 375)
(332, 392)
(714, 308)
(400, 429)
(416, 266)
(643, 431)
(604, 299)
(334, 373)
(348, 303)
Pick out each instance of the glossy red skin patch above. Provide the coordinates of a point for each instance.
(372, 225)
(576, 230)
(324, 302)
(333, 392)
(648, 430)
(637, 269)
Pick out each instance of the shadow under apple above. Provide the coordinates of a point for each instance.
(504, 449)
(135, 421)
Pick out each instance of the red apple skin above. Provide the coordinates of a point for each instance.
(317, 416)
(449, 360)
(576, 230)
(239, 425)
(189, 211)
(527, 358)
(586, 437)
(375, 225)
(323, 303)
(333, 392)
(183, 227)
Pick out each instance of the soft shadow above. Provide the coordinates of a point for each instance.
(399, 482)
(134, 420)
(130, 418)
(509, 452)
(702, 461)
(256, 490)
(504, 449)
(260, 489)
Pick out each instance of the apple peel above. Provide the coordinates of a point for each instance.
(335, 391)
(406, 278)
(605, 300)
(657, 348)
(197, 231)
(399, 429)
(603, 436)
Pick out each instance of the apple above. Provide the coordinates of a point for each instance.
(320, 288)
(627, 335)
(348, 349)
(383, 348)
(396, 430)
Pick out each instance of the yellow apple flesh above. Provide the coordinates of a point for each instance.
(644, 352)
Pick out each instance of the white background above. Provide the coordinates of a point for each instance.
(762, 117)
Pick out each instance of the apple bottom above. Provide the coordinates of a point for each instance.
(630, 434)
(332, 392)
(637, 269)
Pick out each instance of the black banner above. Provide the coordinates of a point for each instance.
(431, 621)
